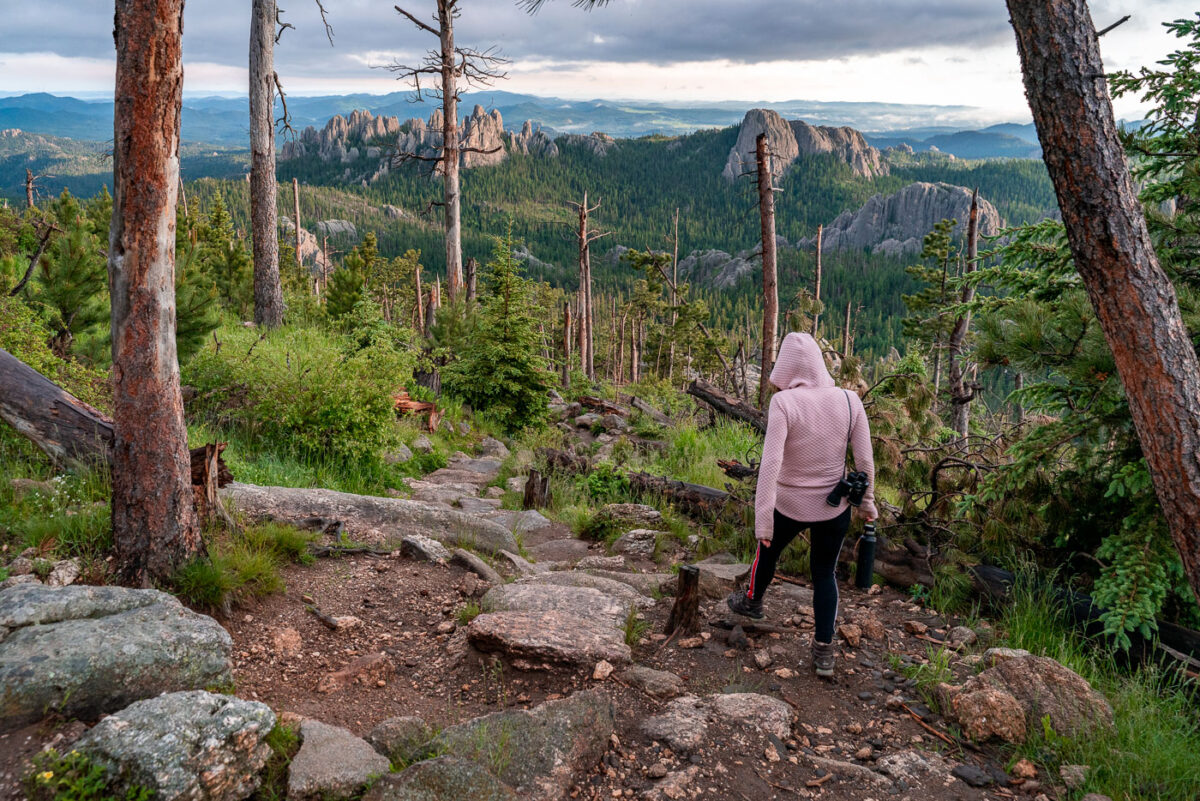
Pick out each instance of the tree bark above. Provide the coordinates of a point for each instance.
(450, 153)
(154, 523)
(420, 300)
(268, 294)
(472, 280)
(674, 300)
(685, 614)
(960, 395)
(1134, 300)
(537, 491)
(847, 344)
(766, 214)
(728, 405)
(566, 365)
(65, 428)
(28, 188)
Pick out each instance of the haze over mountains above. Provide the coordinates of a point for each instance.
(224, 120)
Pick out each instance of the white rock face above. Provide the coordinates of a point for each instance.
(330, 142)
(787, 140)
(896, 224)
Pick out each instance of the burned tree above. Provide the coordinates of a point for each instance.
(584, 237)
(452, 64)
(1134, 299)
(153, 519)
(264, 215)
(766, 213)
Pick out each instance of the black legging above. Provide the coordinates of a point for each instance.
(825, 544)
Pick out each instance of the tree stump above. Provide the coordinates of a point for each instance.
(685, 614)
(537, 491)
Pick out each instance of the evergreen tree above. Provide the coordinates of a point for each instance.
(348, 285)
(501, 370)
(224, 258)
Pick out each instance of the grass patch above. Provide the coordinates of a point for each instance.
(468, 612)
(635, 627)
(284, 742)
(75, 777)
(1150, 753)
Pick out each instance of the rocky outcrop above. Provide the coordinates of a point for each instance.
(597, 143)
(483, 132)
(787, 140)
(186, 746)
(715, 268)
(343, 139)
(533, 141)
(82, 651)
(444, 777)
(311, 253)
(897, 224)
(337, 228)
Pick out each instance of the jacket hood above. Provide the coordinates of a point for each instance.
(800, 364)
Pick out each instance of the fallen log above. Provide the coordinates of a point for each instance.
(735, 469)
(601, 405)
(406, 404)
(694, 499)
(564, 460)
(650, 411)
(728, 405)
(69, 431)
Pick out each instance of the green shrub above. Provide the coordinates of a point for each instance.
(75, 777)
(308, 392)
(241, 567)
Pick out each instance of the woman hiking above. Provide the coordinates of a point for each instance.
(810, 423)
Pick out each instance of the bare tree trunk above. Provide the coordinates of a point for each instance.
(296, 221)
(581, 237)
(28, 188)
(635, 354)
(268, 294)
(434, 304)
(766, 213)
(472, 280)
(566, 365)
(450, 155)
(1134, 300)
(420, 300)
(847, 345)
(817, 282)
(621, 348)
(591, 321)
(153, 517)
(674, 299)
(960, 395)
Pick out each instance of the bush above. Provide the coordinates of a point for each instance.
(308, 392)
(75, 777)
(241, 567)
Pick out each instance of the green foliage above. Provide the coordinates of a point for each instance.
(223, 256)
(468, 612)
(25, 335)
(604, 483)
(501, 371)
(635, 626)
(241, 566)
(302, 391)
(284, 742)
(75, 777)
(348, 285)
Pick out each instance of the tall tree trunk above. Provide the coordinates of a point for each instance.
(268, 294)
(591, 321)
(450, 153)
(566, 364)
(1134, 300)
(472, 279)
(153, 517)
(296, 224)
(582, 239)
(847, 343)
(817, 282)
(960, 396)
(766, 214)
(420, 300)
(28, 188)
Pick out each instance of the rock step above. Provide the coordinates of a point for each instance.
(551, 636)
(581, 602)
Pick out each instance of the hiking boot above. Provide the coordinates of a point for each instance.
(740, 604)
(823, 658)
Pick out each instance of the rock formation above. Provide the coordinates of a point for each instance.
(533, 141)
(598, 143)
(896, 224)
(788, 140)
(341, 137)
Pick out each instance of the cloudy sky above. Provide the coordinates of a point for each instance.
(902, 51)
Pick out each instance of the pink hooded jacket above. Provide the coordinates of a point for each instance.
(809, 422)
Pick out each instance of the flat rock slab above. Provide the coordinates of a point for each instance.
(521, 522)
(83, 651)
(479, 506)
(331, 763)
(718, 579)
(537, 752)
(648, 584)
(466, 471)
(551, 635)
(367, 517)
(683, 725)
(448, 494)
(445, 778)
(658, 683)
(764, 712)
(585, 602)
(401, 737)
(190, 746)
(610, 587)
(476, 565)
(638, 542)
(564, 550)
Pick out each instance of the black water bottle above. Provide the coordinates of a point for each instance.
(865, 563)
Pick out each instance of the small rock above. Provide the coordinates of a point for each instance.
(401, 455)
(516, 483)
(23, 578)
(658, 683)
(961, 637)
(493, 448)
(1024, 769)
(64, 573)
(602, 671)
(915, 627)
(736, 638)
(347, 622)
(601, 563)
(464, 429)
(866, 752)
(587, 420)
(851, 633)
(422, 444)
(657, 770)
(785, 673)
(762, 659)
(400, 738)
(973, 776)
(365, 669)
(691, 642)
(871, 628)
(286, 641)
(1073, 776)
(770, 754)
(331, 762)
(476, 565)
(638, 542)
(494, 493)
(445, 627)
(994, 656)
(424, 549)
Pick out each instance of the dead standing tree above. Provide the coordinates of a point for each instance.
(264, 190)
(452, 64)
(961, 394)
(154, 522)
(584, 237)
(766, 213)
(1134, 299)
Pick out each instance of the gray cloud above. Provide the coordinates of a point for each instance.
(657, 31)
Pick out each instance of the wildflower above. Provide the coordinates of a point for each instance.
(46, 776)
